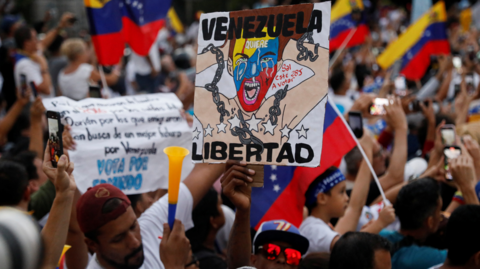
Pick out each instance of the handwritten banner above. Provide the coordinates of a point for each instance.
(121, 140)
(261, 85)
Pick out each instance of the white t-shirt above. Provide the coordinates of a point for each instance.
(343, 102)
(318, 233)
(75, 85)
(32, 71)
(141, 64)
(151, 226)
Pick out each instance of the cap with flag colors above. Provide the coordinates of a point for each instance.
(116, 22)
(415, 46)
(283, 193)
(280, 230)
(343, 22)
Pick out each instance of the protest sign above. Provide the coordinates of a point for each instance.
(261, 85)
(121, 140)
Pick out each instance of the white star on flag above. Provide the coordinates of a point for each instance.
(274, 167)
(273, 177)
(276, 188)
(195, 133)
(235, 122)
(208, 130)
(286, 131)
(253, 123)
(269, 127)
(302, 132)
(221, 127)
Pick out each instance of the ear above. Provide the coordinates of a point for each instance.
(92, 245)
(253, 259)
(430, 223)
(322, 198)
(26, 193)
(476, 259)
(230, 66)
(279, 64)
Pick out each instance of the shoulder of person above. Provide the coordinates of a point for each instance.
(418, 257)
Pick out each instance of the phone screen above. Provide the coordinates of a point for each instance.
(54, 140)
(450, 153)
(400, 86)
(95, 92)
(356, 123)
(469, 83)
(377, 108)
(448, 136)
(457, 63)
(23, 84)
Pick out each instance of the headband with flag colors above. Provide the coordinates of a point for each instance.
(342, 23)
(116, 22)
(415, 46)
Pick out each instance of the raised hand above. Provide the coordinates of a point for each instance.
(175, 246)
(235, 184)
(61, 176)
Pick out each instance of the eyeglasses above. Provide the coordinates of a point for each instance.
(194, 261)
(272, 252)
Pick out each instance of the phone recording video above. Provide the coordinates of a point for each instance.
(469, 84)
(356, 123)
(34, 89)
(414, 106)
(54, 137)
(448, 134)
(400, 86)
(450, 152)
(94, 92)
(457, 63)
(377, 108)
(23, 84)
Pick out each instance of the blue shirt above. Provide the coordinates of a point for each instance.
(414, 256)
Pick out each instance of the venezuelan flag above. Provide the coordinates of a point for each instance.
(342, 23)
(105, 20)
(142, 20)
(175, 21)
(424, 38)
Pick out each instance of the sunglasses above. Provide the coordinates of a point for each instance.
(272, 251)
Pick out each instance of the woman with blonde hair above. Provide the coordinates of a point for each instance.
(75, 79)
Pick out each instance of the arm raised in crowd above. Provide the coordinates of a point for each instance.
(201, 179)
(358, 198)
(9, 120)
(50, 35)
(463, 174)
(55, 231)
(396, 118)
(175, 246)
(37, 111)
(77, 256)
(235, 187)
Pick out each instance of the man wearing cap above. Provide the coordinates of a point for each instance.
(120, 240)
(277, 244)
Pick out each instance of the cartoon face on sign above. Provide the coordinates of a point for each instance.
(254, 68)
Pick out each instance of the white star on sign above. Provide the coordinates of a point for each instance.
(195, 133)
(273, 177)
(276, 188)
(221, 127)
(302, 132)
(208, 130)
(269, 127)
(286, 131)
(253, 123)
(235, 122)
(274, 167)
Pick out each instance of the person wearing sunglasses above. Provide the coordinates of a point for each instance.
(278, 244)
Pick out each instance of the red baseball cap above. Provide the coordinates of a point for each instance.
(90, 205)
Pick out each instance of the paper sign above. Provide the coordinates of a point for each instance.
(261, 85)
(121, 140)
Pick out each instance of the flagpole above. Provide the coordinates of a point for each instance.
(365, 158)
(104, 81)
(342, 47)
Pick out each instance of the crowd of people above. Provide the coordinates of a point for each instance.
(431, 217)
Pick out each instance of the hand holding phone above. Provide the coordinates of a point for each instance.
(450, 152)
(377, 108)
(55, 129)
(356, 123)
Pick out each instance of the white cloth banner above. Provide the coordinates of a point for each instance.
(121, 140)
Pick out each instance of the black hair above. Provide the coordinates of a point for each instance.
(27, 158)
(361, 72)
(22, 34)
(357, 250)
(134, 199)
(352, 160)
(56, 44)
(337, 80)
(13, 182)
(463, 225)
(416, 202)
(422, 131)
(108, 207)
(206, 208)
(313, 186)
(315, 260)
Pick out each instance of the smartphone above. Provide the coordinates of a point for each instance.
(400, 86)
(34, 89)
(457, 90)
(356, 123)
(94, 91)
(469, 84)
(414, 106)
(448, 134)
(457, 63)
(450, 152)
(23, 84)
(72, 20)
(55, 129)
(377, 108)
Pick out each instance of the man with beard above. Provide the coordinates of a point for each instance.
(120, 240)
